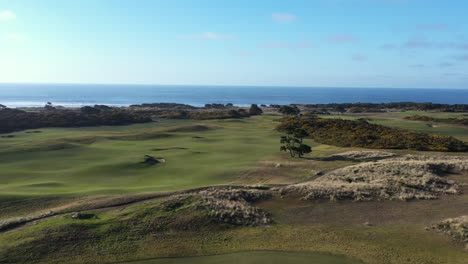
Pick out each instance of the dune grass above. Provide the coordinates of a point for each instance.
(146, 231)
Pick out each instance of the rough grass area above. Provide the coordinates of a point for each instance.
(211, 209)
(234, 205)
(456, 228)
(361, 155)
(405, 178)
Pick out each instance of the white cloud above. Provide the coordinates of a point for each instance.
(276, 44)
(7, 15)
(209, 35)
(283, 17)
(16, 36)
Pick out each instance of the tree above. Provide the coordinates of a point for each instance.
(255, 110)
(49, 106)
(89, 110)
(289, 110)
(293, 142)
(340, 109)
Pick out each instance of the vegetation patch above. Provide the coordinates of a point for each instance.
(191, 128)
(234, 206)
(457, 228)
(174, 148)
(14, 119)
(360, 156)
(457, 121)
(405, 178)
(350, 133)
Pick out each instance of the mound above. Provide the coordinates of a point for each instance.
(455, 227)
(233, 206)
(409, 177)
(361, 156)
(192, 128)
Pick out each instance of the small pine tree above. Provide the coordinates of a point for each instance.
(293, 142)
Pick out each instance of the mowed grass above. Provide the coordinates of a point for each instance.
(109, 159)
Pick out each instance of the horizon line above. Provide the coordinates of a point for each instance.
(230, 85)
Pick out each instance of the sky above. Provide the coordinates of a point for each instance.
(317, 43)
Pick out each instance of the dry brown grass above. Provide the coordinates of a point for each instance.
(361, 155)
(403, 178)
(234, 206)
(457, 228)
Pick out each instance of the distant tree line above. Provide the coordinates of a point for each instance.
(378, 107)
(14, 119)
(164, 106)
(349, 133)
(367, 107)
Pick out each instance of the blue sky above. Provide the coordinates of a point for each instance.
(340, 43)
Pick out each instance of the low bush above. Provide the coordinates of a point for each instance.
(457, 121)
(350, 133)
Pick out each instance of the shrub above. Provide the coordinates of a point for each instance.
(349, 133)
(255, 110)
(289, 110)
(458, 121)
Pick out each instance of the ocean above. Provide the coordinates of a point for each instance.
(74, 95)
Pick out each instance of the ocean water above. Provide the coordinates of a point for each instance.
(20, 95)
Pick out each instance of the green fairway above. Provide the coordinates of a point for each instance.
(273, 257)
(109, 159)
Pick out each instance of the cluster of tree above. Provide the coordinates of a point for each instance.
(14, 119)
(202, 114)
(364, 110)
(349, 133)
(218, 106)
(219, 114)
(316, 112)
(458, 121)
(255, 110)
(289, 110)
(293, 142)
(397, 105)
(164, 106)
